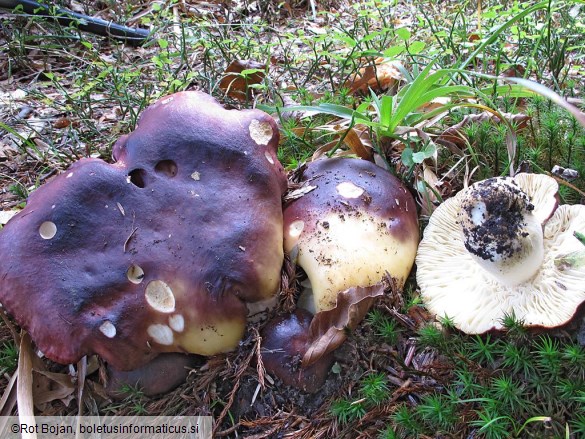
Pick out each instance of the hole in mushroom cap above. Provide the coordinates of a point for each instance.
(349, 190)
(177, 322)
(269, 157)
(135, 274)
(160, 296)
(137, 177)
(166, 167)
(108, 329)
(161, 334)
(260, 132)
(296, 228)
(48, 230)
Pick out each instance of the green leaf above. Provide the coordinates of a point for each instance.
(429, 151)
(247, 72)
(403, 33)
(570, 261)
(393, 51)
(549, 94)
(406, 157)
(495, 34)
(580, 236)
(416, 47)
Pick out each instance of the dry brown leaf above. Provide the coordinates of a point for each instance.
(62, 122)
(323, 149)
(51, 386)
(434, 104)
(8, 400)
(298, 193)
(426, 185)
(380, 76)
(359, 143)
(236, 85)
(81, 374)
(328, 328)
(24, 386)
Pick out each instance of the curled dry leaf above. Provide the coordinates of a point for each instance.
(356, 138)
(51, 386)
(239, 76)
(62, 122)
(298, 193)
(24, 387)
(328, 328)
(381, 75)
(427, 187)
(358, 141)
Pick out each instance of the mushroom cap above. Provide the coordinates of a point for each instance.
(454, 285)
(160, 375)
(159, 252)
(285, 340)
(357, 223)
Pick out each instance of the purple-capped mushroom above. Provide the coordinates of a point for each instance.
(159, 252)
(355, 222)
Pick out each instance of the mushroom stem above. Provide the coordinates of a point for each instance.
(501, 232)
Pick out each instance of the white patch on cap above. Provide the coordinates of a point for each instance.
(196, 176)
(166, 101)
(261, 132)
(349, 190)
(177, 322)
(108, 329)
(69, 175)
(161, 334)
(296, 228)
(160, 296)
(48, 230)
(135, 274)
(269, 157)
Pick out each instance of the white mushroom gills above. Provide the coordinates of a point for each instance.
(135, 274)
(108, 329)
(261, 131)
(48, 230)
(161, 334)
(500, 231)
(269, 157)
(296, 228)
(177, 322)
(160, 296)
(349, 190)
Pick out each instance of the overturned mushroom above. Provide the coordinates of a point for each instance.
(159, 252)
(502, 247)
(354, 223)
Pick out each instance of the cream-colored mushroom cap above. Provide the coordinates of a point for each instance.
(502, 247)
